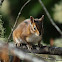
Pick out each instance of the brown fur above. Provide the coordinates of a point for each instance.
(16, 59)
(25, 30)
(4, 57)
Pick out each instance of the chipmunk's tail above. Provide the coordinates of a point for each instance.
(4, 56)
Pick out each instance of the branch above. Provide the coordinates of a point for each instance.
(19, 53)
(38, 50)
(51, 20)
(42, 50)
(18, 18)
(24, 56)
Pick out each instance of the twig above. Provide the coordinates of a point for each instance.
(18, 18)
(51, 20)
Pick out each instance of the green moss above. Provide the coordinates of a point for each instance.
(1, 28)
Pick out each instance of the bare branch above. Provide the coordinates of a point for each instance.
(18, 18)
(51, 20)
(41, 50)
(38, 50)
(22, 55)
(19, 53)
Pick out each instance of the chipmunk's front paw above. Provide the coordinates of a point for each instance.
(29, 47)
(40, 45)
(17, 44)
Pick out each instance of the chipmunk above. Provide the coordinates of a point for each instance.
(29, 31)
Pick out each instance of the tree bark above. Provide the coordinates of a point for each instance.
(36, 49)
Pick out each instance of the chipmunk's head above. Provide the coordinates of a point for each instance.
(36, 26)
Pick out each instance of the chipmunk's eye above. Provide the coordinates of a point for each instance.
(34, 27)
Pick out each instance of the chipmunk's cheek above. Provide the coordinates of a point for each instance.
(37, 33)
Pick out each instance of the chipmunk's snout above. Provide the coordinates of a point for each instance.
(35, 30)
(36, 25)
(38, 33)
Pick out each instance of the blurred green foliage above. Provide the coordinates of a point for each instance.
(1, 28)
(58, 12)
(34, 9)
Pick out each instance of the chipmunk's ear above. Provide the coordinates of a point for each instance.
(41, 19)
(31, 19)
